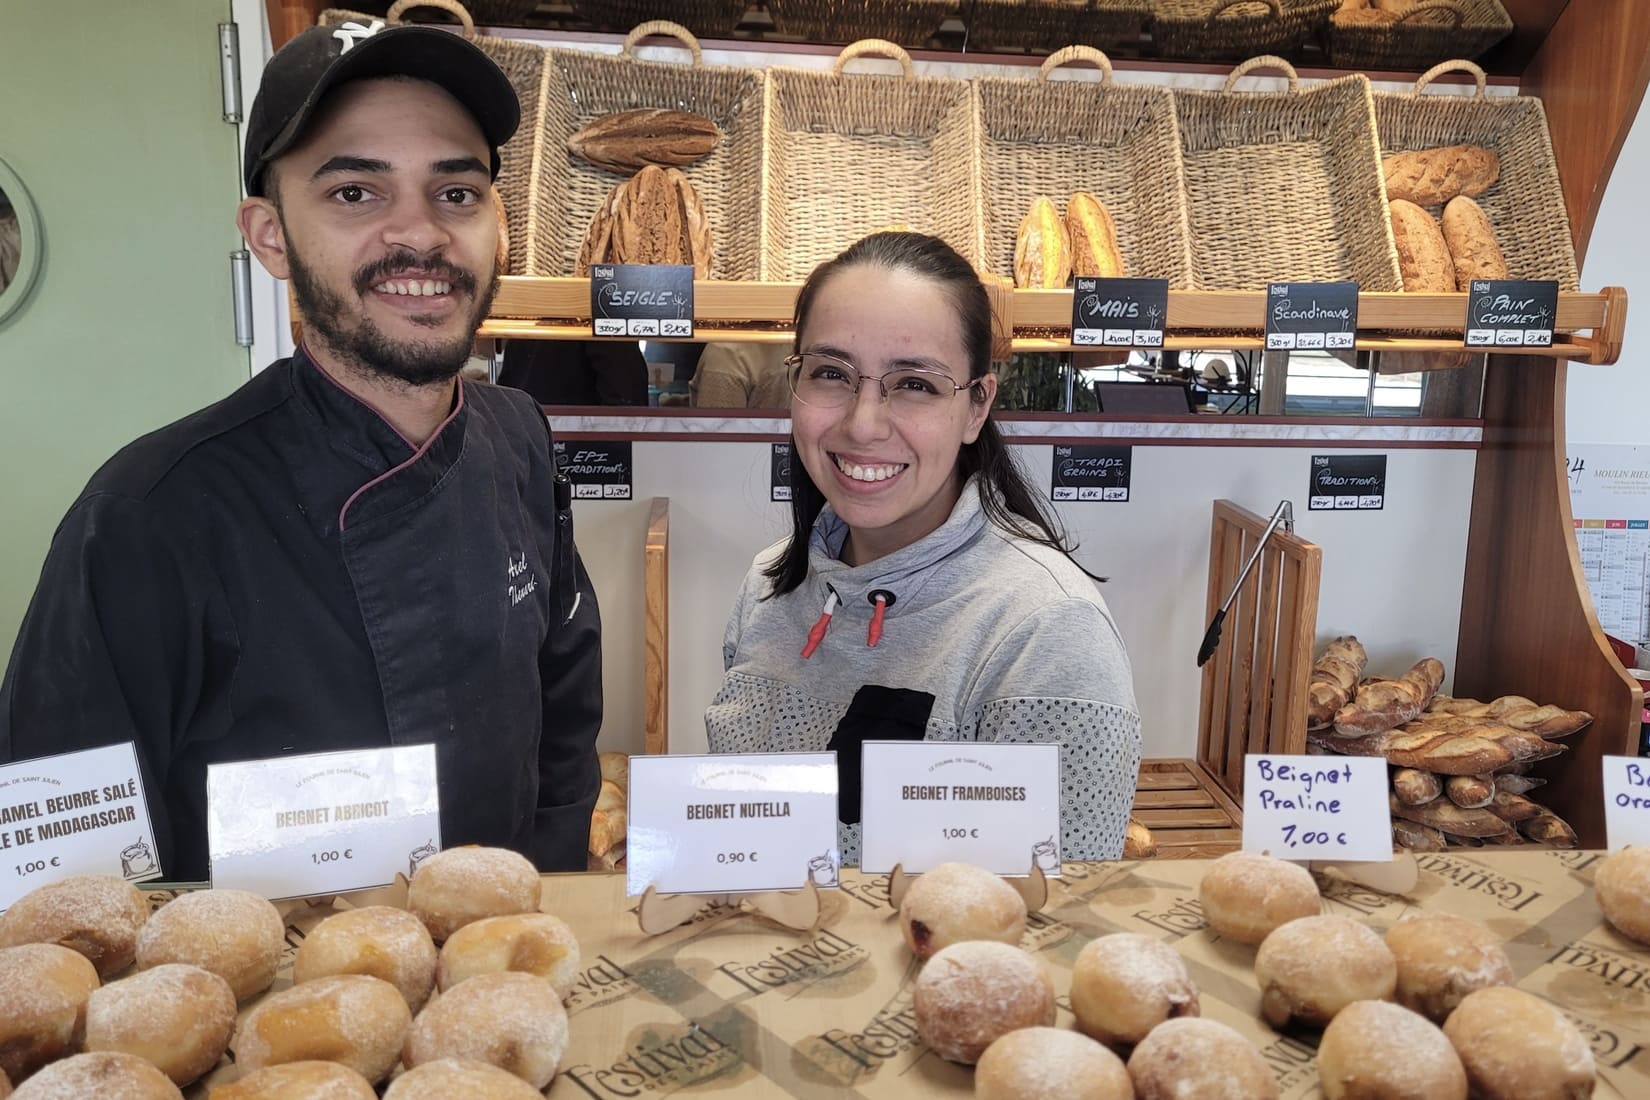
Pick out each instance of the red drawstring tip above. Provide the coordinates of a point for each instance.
(874, 635)
(816, 635)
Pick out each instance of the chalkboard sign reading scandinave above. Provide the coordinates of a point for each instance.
(1317, 807)
(1311, 316)
(1511, 313)
(641, 300)
(1119, 313)
(1091, 472)
(1347, 483)
(598, 469)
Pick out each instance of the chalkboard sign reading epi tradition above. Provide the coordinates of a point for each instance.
(1317, 807)
(1119, 313)
(641, 300)
(598, 469)
(1511, 313)
(1311, 316)
(1347, 483)
(779, 483)
(1091, 472)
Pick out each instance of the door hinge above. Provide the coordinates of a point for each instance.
(229, 70)
(240, 289)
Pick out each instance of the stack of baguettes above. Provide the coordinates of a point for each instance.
(607, 823)
(1458, 766)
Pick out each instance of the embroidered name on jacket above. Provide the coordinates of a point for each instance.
(522, 582)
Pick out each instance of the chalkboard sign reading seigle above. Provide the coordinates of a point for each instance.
(1311, 316)
(1119, 313)
(1511, 313)
(641, 300)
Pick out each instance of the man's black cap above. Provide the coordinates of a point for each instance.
(299, 76)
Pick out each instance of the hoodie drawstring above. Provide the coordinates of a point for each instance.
(817, 634)
(881, 599)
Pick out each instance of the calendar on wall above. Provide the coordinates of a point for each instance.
(1610, 501)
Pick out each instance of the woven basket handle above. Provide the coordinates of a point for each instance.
(1264, 61)
(871, 47)
(1433, 8)
(1277, 8)
(1069, 54)
(663, 27)
(453, 7)
(1459, 66)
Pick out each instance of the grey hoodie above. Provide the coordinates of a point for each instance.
(1008, 636)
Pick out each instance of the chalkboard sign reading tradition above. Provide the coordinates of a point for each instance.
(1091, 473)
(641, 300)
(1311, 316)
(1347, 483)
(1119, 313)
(598, 469)
(1511, 313)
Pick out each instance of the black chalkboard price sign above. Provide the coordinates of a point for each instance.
(598, 469)
(779, 482)
(1091, 472)
(1349, 483)
(641, 300)
(1511, 313)
(1311, 316)
(1119, 313)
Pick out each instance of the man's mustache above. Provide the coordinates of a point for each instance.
(410, 265)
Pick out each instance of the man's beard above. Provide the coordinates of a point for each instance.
(413, 362)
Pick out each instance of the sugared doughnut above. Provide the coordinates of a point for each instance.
(1050, 1063)
(379, 941)
(235, 934)
(1373, 1050)
(460, 885)
(1125, 984)
(449, 1078)
(299, 1081)
(1622, 885)
(354, 1019)
(971, 993)
(96, 915)
(176, 1017)
(1196, 1059)
(1516, 1046)
(1245, 895)
(105, 1075)
(1312, 967)
(954, 902)
(532, 943)
(43, 994)
(510, 1020)
(1441, 958)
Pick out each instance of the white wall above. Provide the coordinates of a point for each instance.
(1394, 577)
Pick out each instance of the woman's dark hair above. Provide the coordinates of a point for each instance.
(1007, 499)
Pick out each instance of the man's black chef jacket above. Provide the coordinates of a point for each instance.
(283, 573)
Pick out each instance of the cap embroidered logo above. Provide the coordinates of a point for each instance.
(350, 33)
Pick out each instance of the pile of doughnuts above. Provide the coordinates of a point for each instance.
(463, 989)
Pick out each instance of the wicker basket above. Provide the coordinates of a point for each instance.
(1117, 141)
(1526, 205)
(581, 86)
(712, 18)
(533, 225)
(847, 155)
(906, 22)
(1231, 29)
(1427, 33)
(1285, 186)
(1031, 25)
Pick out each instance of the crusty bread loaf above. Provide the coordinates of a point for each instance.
(628, 141)
(1423, 257)
(598, 238)
(1517, 784)
(1550, 829)
(1432, 177)
(607, 828)
(1515, 711)
(1470, 792)
(1471, 243)
(1515, 807)
(1447, 817)
(1387, 704)
(1138, 842)
(1414, 787)
(1042, 250)
(1482, 749)
(1417, 837)
(1093, 233)
(655, 217)
(1335, 677)
(1362, 17)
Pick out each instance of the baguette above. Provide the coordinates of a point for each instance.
(1423, 257)
(1548, 828)
(606, 831)
(1414, 787)
(1093, 235)
(1515, 807)
(1042, 250)
(1476, 751)
(1447, 817)
(1517, 784)
(1518, 712)
(1416, 837)
(1471, 242)
(1386, 704)
(1455, 840)
(1335, 677)
(1432, 177)
(628, 141)
(1471, 792)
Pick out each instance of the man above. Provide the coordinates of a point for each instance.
(355, 549)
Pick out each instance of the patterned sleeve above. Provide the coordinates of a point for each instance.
(1062, 676)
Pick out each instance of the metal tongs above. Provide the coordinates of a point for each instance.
(1285, 513)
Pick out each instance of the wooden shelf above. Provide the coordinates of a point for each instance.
(1590, 326)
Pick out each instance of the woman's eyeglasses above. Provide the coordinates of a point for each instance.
(825, 382)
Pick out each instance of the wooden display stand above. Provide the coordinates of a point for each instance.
(656, 630)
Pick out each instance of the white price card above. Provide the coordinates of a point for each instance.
(1317, 807)
(1626, 801)
(928, 802)
(732, 823)
(76, 813)
(324, 823)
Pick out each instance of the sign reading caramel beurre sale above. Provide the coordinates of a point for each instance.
(322, 823)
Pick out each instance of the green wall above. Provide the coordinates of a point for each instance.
(110, 112)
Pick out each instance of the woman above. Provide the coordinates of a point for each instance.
(923, 591)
